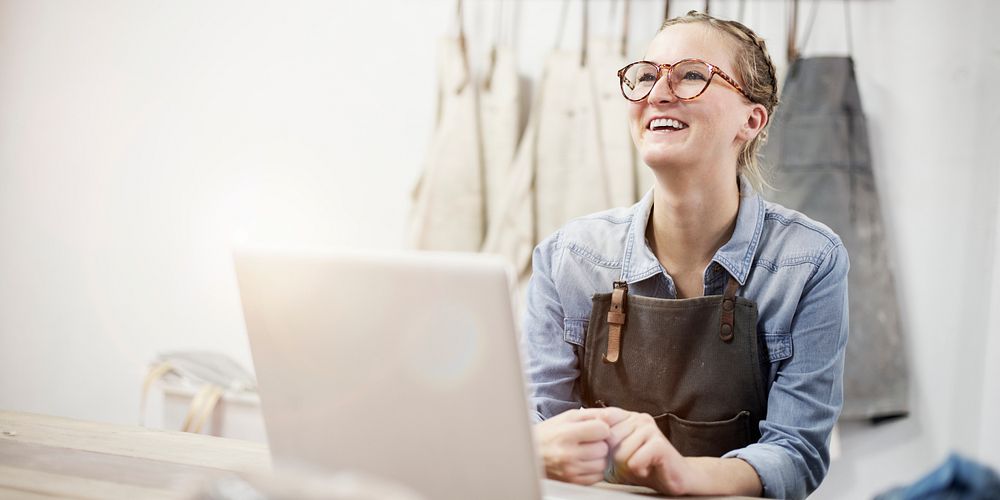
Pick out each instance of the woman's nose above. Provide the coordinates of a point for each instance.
(661, 92)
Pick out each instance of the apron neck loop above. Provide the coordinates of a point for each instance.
(584, 35)
(847, 28)
(625, 22)
(728, 310)
(797, 47)
(792, 52)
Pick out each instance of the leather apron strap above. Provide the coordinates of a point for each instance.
(728, 310)
(616, 320)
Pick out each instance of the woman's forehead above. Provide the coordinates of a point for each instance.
(691, 41)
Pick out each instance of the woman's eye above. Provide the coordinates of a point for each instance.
(694, 75)
(647, 77)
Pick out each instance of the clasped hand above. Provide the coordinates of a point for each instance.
(576, 446)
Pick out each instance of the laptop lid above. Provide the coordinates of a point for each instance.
(403, 365)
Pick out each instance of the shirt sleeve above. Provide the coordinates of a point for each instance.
(792, 456)
(550, 363)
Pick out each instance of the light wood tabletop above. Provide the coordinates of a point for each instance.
(52, 457)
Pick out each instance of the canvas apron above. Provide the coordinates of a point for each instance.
(696, 365)
(576, 155)
(448, 211)
(500, 111)
(818, 145)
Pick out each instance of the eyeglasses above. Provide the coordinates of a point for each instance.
(687, 79)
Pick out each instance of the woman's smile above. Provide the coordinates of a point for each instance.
(666, 124)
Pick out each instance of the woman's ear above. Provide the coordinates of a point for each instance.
(755, 122)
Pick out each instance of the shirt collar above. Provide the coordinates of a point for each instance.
(735, 256)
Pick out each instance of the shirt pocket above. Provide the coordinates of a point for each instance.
(575, 331)
(779, 345)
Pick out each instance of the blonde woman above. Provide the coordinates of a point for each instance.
(693, 342)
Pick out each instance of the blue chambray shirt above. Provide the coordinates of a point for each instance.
(794, 268)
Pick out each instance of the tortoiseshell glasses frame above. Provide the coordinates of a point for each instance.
(666, 69)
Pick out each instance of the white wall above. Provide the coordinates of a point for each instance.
(140, 139)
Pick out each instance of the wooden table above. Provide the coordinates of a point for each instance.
(51, 457)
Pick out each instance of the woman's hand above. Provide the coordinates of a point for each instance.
(642, 455)
(574, 444)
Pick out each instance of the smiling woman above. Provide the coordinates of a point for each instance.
(702, 329)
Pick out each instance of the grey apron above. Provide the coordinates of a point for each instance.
(818, 145)
(696, 365)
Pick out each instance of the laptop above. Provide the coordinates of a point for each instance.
(404, 366)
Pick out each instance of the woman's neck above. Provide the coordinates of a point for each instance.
(692, 217)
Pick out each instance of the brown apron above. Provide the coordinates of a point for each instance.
(696, 365)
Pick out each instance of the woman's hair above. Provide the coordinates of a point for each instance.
(755, 72)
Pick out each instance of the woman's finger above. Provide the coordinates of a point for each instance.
(594, 450)
(649, 455)
(622, 429)
(588, 430)
(584, 467)
(613, 415)
(628, 446)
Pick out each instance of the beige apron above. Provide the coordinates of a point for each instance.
(576, 156)
(448, 210)
(500, 100)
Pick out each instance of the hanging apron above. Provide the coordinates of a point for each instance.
(576, 156)
(448, 210)
(696, 365)
(818, 145)
(500, 100)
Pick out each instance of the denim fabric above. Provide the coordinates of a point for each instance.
(818, 144)
(794, 268)
(958, 478)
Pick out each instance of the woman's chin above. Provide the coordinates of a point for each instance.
(659, 160)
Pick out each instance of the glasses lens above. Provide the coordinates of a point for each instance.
(689, 78)
(638, 80)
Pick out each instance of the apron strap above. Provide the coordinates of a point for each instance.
(728, 310)
(804, 41)
(462, 44)
(847, 28)
(792, 52)
(623, 50)
(616, 319)
(585, 35)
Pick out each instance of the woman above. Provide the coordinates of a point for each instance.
(703, 329)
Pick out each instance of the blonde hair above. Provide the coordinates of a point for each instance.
(755, 72)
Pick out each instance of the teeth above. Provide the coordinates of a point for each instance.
(666, 122)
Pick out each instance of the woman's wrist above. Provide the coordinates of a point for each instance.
(722, 476)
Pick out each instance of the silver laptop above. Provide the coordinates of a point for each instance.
(403, 366)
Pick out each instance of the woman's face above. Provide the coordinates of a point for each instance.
(712, 125)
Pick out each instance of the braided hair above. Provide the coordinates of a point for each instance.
(755, 72)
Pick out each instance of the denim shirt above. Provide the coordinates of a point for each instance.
(794, 268)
